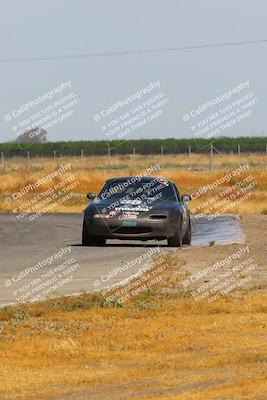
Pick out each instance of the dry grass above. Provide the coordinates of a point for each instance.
(156, 346)
(188, 174)
(167, 347)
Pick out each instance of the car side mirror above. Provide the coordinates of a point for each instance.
(186, 197)
(91, 196)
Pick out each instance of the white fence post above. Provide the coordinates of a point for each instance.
(109, 160)
(82, 158)
(211, 156)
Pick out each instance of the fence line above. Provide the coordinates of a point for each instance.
(206, 158)
(161, 151)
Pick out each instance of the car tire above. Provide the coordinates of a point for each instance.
(176, 239)
(188, 234)
(89, 240)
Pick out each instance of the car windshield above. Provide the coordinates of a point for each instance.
(157, 189)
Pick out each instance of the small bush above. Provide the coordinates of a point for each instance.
(141, 304)
(112, 304)
(19, 315)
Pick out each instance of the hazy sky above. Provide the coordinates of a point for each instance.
(188, 77)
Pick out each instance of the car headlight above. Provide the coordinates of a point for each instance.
(101, 216)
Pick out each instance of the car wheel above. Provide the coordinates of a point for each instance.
(188, 234)
(98, 241)
(176, 239)
(89, 240)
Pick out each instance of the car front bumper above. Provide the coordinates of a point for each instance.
(143, 228)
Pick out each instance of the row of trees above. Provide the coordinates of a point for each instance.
(142, 146)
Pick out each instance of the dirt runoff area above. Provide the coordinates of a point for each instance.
(222, 269)
(157, 346)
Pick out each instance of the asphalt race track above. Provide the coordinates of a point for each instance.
(31, 253)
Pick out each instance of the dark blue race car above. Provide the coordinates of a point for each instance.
(139, 209)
